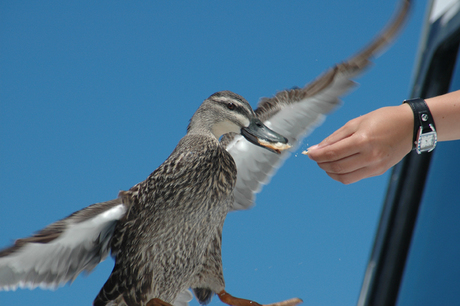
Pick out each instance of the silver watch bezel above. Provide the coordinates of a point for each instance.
(432, 136)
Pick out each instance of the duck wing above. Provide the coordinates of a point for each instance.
(59, 252)
(297, 112)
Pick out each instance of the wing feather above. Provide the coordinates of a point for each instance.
(297, 112)
(62, 250)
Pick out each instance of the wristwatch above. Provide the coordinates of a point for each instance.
(425, 137)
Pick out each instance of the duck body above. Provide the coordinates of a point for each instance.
(170, 239)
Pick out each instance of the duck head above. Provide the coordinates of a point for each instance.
(225, 112)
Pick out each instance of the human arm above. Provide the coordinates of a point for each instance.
(371, 144)
(446, 113)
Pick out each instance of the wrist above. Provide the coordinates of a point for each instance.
(424, 132)
(406, 125)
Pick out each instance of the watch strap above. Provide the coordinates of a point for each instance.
(422, 118)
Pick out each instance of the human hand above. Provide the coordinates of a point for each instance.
(366, 146)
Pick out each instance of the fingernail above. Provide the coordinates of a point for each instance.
(309, 149)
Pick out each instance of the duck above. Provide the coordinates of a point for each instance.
(168, 233)
(165, 233)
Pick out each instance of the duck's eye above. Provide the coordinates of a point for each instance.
(231, 106)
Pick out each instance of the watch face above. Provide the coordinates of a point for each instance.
(427, 141)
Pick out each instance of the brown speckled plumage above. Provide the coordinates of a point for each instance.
(170, 238)
(171, 235)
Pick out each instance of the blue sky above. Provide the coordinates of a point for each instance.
(94, 96)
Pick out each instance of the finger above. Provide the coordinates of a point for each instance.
(334, 152)
(355, 176)
(344, 165)
(344, 132)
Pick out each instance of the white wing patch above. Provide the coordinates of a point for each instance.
(257, 165)
(48, 265)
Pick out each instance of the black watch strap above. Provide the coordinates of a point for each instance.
(422, 118)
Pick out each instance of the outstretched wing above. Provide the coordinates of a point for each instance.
(59, 252)
(295, 113)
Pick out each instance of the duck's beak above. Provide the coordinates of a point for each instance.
(260, 135)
